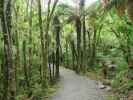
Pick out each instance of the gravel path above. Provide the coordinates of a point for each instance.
(76, 87)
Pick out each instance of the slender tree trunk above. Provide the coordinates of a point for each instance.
(93, 56)
(9, 69)
(17, 55)
(17, 45)
(40, 67)
(2, 78)
(30, 42)
(50, 72)
(83, 28)
(73, 53)
(53, 59)
(56, 23)
(49, 17)
(73, 58)
(44, 49)
(84, 45)
(89, 45)
(67, 55)
(78, 29)
(25, 64)
(57, 62)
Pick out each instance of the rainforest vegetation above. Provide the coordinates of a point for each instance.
(38, 37)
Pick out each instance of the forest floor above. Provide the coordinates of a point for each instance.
(77, 87)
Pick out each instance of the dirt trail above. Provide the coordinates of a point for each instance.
(76, 87)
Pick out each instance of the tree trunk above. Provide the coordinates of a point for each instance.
(57, 30)
(129, 9)
(78, 29)
(30, 42)
(17, 45)
(25, 65)
(93, 56)
(89, 46)
(50, 72)
(83, 28)
(74, 55)
(53, 59)
(67, 55)
(84, 45)
(9, 69)
(44, 50)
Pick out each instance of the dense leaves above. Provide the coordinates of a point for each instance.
(36, 39)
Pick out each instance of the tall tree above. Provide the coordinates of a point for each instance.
(30, 39)
(44, 55)
(25, 65)
(17, 42)
(67, 53)
(82, 9)
(93, 55)
(46, 36)
(56, 23)
(9, 69)
(78, 30)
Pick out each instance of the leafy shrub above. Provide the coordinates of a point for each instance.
(122, 84)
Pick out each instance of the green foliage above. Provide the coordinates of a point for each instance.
(122, 65)
(118, 80)
(113, 42)
(122, 84)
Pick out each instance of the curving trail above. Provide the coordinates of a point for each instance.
(76, 87)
